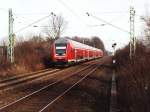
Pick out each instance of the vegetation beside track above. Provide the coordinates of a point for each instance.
(30, 56)
(133, 79)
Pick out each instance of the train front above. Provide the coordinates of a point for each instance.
(60, 51)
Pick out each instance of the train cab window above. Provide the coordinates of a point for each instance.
(60, 49)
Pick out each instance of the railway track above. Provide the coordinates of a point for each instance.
(34, 102)
(15, 81)
(22, 75)
(21, 80)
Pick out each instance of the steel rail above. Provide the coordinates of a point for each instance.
(26, 75)
(67, 90)
(35, 92)
(22, 75)
(25, 79)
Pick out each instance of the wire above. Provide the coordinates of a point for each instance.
(108, 23)
(32, 23)
(73, 12)
(29, 14)
(67, 7)
(114, 13)
(113, 20)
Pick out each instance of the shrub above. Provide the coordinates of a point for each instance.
(133, 79)
(29, 56)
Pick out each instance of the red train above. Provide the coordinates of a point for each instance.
(66, 51)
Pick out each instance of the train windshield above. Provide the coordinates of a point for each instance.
(60, 49)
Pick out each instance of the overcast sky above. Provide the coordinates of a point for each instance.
(74, 12)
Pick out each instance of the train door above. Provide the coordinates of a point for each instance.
(75, 52)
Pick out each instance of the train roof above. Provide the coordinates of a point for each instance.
(76, 44)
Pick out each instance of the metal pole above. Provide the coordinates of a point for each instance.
(11, 38)
(132, 37)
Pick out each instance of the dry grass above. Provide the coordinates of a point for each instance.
(133, 79)
(30, 55)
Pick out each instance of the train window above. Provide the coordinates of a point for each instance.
(60, 51)
(60, 44)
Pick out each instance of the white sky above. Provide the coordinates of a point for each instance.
(113, 11)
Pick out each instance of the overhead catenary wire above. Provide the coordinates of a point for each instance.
(112, 21)
(108, 23)
(21, 18)
(110, 13)
(73, 12)
(33, 23)
(65, 5)
(14, 14)
(29, 14)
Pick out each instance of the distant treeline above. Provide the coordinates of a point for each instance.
(93, 41)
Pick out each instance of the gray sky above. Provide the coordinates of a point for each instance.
(73, 11)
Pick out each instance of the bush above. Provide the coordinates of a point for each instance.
(133, 79)
(29, 56)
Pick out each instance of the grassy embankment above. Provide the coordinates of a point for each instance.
(30, 56)
(133, 79)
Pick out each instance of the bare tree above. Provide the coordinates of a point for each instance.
(93, 41)
(98, 43)
(56, 27)
(146, 30)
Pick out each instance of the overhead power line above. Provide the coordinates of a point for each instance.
(78, 17)
(33, 23)
(112, 21)
(29, 14)
(72, 11)
(108, 23)
(109, 12)
(67, 7)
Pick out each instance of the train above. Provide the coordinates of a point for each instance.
(67, 51)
